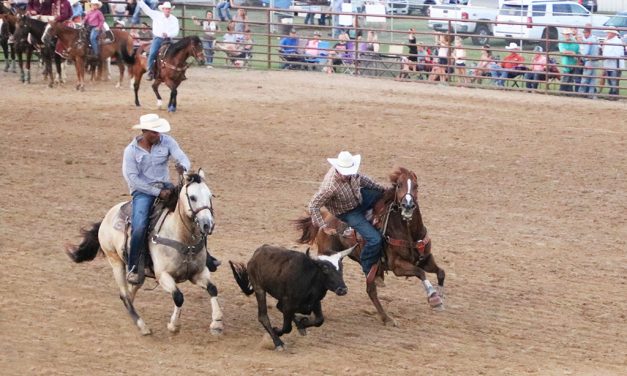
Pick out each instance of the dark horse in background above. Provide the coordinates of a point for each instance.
(407, 246)
(7, 29)
(28, 39)
(170, 67)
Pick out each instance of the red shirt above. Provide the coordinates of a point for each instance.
(94, 18)
(512, 60)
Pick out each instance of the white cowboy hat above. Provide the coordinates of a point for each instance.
(152, 122)
(166, 5)
(346, 163)
(612, 30)
(512, 46)
(96, 2)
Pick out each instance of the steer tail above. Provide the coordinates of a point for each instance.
(309, 230)
(241, 277)
(89, 247)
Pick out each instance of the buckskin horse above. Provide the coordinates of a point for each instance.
(407, 246)
(75, 45)
(170, 67)
(177, 247)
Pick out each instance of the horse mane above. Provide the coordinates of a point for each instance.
(180, 45)
(171, 202)
(396, 174)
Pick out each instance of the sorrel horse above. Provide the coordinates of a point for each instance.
(177, 248)
(7, 29)
(407, 246)
(76, 47)
(170, 68)
(136, 67)
(121, 41)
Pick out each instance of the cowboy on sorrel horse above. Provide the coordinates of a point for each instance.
(406, 248)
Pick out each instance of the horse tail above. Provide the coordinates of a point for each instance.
(128, 59)
(241, 277)
(309, 230)
(89, 247)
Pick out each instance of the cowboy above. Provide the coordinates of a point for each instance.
(145, 169)
(348, 196)
(95, 19)
(164, 27)
(613, 60)
(569, 50)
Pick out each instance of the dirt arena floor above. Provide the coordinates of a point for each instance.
(525, 198)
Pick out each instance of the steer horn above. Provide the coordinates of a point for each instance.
(347, 252)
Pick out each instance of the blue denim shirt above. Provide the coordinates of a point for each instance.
(146, 171)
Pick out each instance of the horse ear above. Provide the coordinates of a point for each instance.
(201, 173)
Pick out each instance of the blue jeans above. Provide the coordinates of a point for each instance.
(356, 219)
(567, 80)
(588, 81)
(207, 45)
(309, 18)
(612, 80)
(93, 39)
(142, 203)
(151, 3)
(223, 11)
(536, 78)
(154, 50)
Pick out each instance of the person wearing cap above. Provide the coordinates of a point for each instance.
(348, 196)
(164, 27)
(511, 65)
(569, 50)
(589, 48)
(537, 72)
(145, 169)
(94, 20)
(288, 48)
(613, 59)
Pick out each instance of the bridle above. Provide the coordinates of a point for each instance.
(194, 54)
(195, 212)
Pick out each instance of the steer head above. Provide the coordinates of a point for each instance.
(331, 267)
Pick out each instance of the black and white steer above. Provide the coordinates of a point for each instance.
(299, 283)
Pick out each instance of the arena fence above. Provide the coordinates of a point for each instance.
(387, 56)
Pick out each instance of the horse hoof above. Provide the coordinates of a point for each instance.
(216, 328)
(143, 329)
(159, 104)
(435, 301)
(280, 348)
(173, 328)
(388, 321)
(171, 109)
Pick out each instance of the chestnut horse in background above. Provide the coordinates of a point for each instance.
(76, 47)
(121, 41)
(407, 246)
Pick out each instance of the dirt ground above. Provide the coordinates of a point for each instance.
(524, 195)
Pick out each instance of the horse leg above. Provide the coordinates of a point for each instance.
(371, 289)
(406, 269)
(172, 103)
(136, 80)
(29, 56)
(429, 266)
(127, 297)
(5, 51)
(204, 280)
(155, 88)
(169, 285)
(121, 68)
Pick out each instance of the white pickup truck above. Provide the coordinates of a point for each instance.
(476, 17)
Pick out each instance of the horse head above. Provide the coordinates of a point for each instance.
(196, 49)
(195, 200)
(405, 184)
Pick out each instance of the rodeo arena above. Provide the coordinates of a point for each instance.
(323, 187)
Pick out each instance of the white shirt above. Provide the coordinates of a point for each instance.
(160, 23)
(614, 48)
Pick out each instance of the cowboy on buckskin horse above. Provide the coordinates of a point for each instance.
(164, 27)
(145, 169)
(348, 196)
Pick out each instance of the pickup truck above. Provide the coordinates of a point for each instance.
(476, 18)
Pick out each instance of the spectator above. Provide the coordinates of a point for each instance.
(485, 65)
(613, 60)
(309, 18)
(569, 50)
(336, 7)
(119, 11)
(130, 8)
(229, 40)
(510, 67)
(288, 48)
(409, 61)
(336, 54)
(311, 48)
(210, 27)
(241, 22)
(538, 69)
(459, 54)
(440, 70)
(223, 10)
(152, 4)
(589, 48)
(373, 41)
(77, 11)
